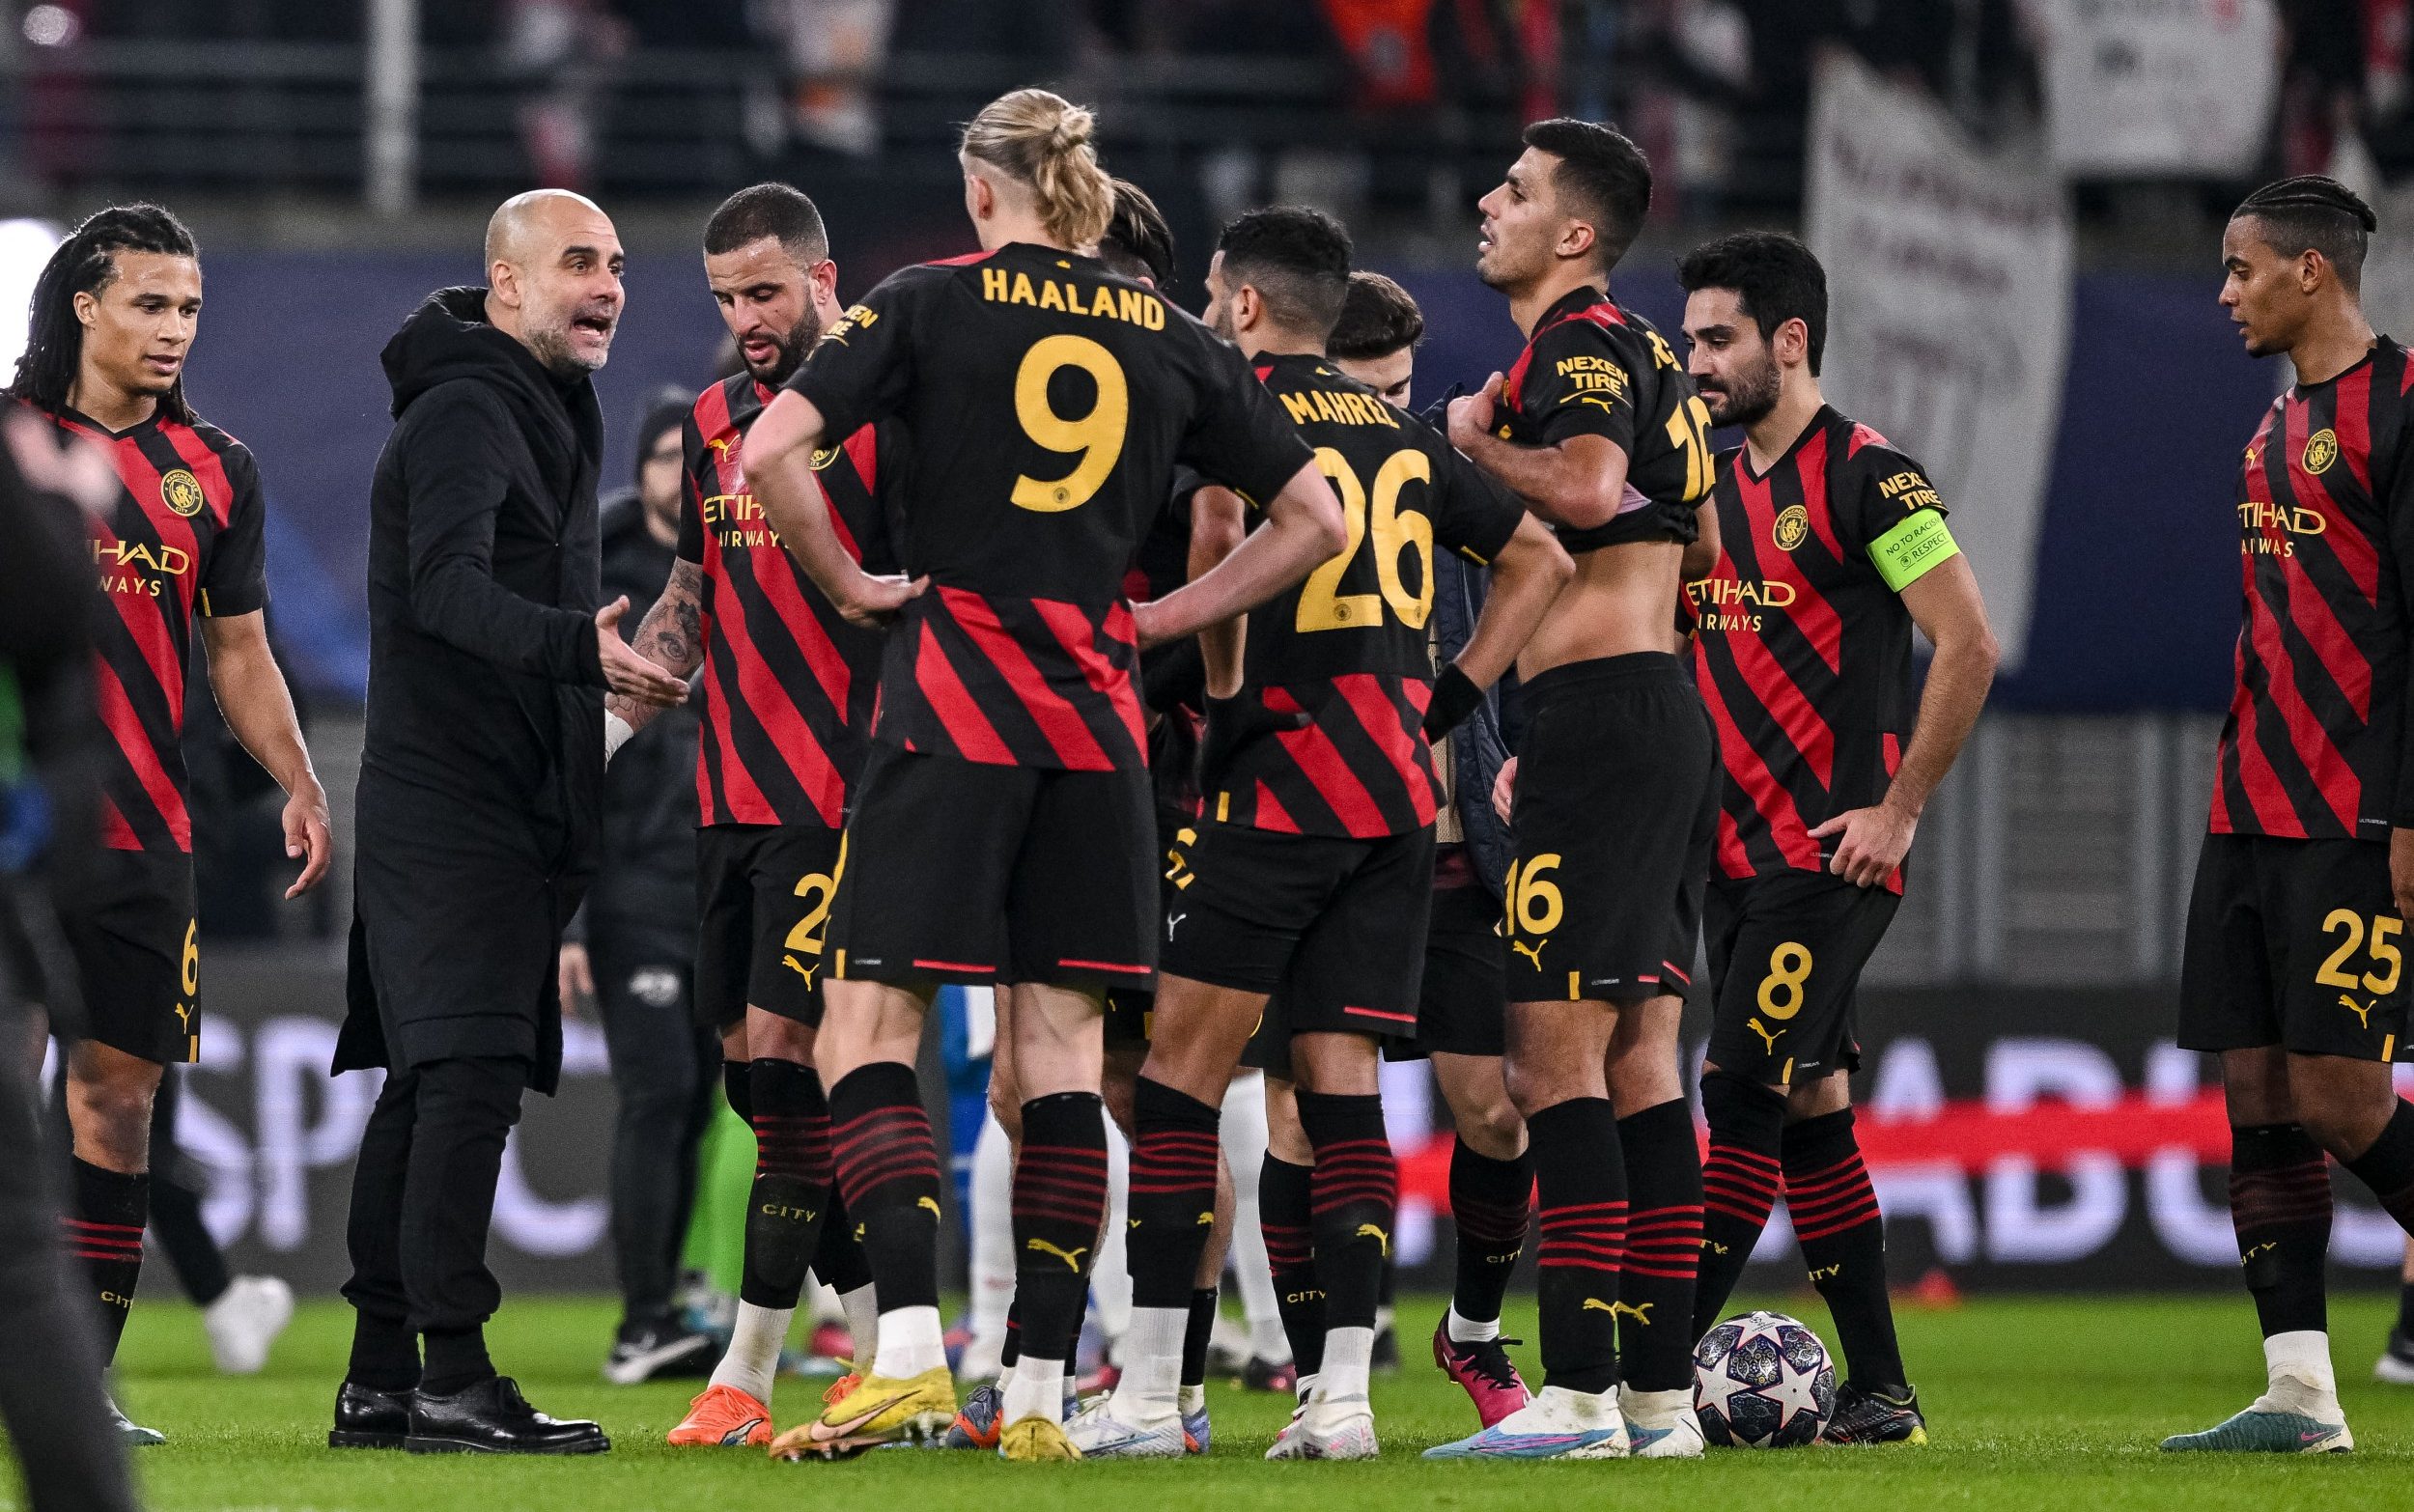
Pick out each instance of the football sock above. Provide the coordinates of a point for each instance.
(1843, 1243)
(1059, 1196)
(837, 1255)
(990, 1221)
(1353, 1198)
(104, 1229)
(862, 1308)
(1286, 1213)
(1739, 1183)
(792, 1180)
(2405, 1309)
(2297, 1367)
(457, 1359)
(1155, 1364)
(1012, 1353)
(1655, 1334)
(2280, 1203)
(1341, 1382)
(889, 1171)
(1491, 1206)
(1243, 1136)
(737, 1077)
(1202, 1326)
(1171, 1206)
(1580, 1178)
(751, 1362)
(2388, 1167)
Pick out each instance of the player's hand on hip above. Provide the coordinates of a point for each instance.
(873, 600)
(1471, 415)
(309, 836)
(2402, 871)
(1876, 840)
(1504, 790)
(576, 971)
(627, 673)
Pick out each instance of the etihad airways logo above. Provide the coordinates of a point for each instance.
(131, 567)
(2272, 530)
(1732, 603)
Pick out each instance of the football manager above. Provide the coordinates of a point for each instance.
(479, 806)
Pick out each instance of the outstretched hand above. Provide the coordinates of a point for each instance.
(627, 673)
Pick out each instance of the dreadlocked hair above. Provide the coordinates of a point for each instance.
(2312, 212)
(86, 262)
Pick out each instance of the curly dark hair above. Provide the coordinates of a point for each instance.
(86, 262)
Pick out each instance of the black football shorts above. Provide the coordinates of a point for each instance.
(1785, 958)
(763, 903)
(960, 871)
(1129, 1009)
(2295, 943)
(1334, 928)
(1462, 1005)
(1616, 816)
(132, 934)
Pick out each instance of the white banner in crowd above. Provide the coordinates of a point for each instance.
(2159, 87)
(1949, 310)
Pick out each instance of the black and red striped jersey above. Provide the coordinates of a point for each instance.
(1048, 400)
(186, 538)
(789, 686)
(1802, 646)
(1326, 737)
(2313, 747)
(1591, 368)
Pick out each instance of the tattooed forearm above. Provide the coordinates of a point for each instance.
(672, 636)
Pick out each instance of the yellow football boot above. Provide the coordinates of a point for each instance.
(878, 1410)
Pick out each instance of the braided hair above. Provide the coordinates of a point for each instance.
(2312, 212)
(86, 262)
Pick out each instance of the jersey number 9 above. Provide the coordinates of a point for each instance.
(1097, 436)
(1322, 605)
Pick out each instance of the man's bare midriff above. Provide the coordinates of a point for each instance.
(1621, 600)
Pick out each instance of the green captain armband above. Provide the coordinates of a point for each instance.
(1904, 554)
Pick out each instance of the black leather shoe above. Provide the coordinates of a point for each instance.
(368, 1418)
(493, 1417)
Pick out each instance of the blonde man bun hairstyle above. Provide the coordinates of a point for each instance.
(1043, 142)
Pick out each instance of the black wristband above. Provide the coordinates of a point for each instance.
(1456, 696)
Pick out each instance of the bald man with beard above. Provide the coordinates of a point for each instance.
(489, 653)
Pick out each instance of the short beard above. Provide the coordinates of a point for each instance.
(1752, 398)
(792, 350)
(557, 355)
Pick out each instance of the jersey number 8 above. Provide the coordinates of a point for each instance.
(1322, 605)
(1097, 436)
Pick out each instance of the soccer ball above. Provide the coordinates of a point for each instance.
(1762, 1382)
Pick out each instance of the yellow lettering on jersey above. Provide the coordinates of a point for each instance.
(993, 284)
(1302, 409)
(1103, 302)
(1051, 296)
(1727, 592)
(1908, 489)
(1022, 293)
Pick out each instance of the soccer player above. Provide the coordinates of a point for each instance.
(1463, 1005)
(2294, 969)
(1003, 829)
(115, 312)
(787, 702)
(1599, 430)
(1833, 546)
(1312, 860)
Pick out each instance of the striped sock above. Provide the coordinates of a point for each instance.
(1492, 1205)
(888, 1168)
(1285, 1212)
(103, 1231)
(2280, 1203)
(792, 1180)
(1059, 1199)
(1580, 1178)
(1663, 1246)
(1354, 1197)
(1739, 1182)
(1843, 1243)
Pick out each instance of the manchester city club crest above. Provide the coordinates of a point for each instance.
(181, 491)
(2322, 449)
(1793, 523)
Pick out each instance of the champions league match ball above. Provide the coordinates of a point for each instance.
(1762, 1381)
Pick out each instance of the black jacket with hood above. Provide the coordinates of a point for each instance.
(482, 772)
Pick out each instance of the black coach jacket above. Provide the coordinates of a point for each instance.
(1478, 749)
(482, 772)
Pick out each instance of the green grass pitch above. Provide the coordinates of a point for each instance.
(2033, 1403)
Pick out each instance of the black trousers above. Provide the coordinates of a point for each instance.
(666, 1075)
(422, 1195)
(50, 1368)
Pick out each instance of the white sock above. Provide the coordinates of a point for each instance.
(863, 1309)
(1243, 1132)
(2298, 1365)
(1037, 1390)
(1349, 1362)
(912, 1341)
(752, 1361)
(1467, 1331)
(1192, 1399)
(992, 1222)
(1653, 1409)
(1562, 1407)
(1110, 1271)
(1150, 1391)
